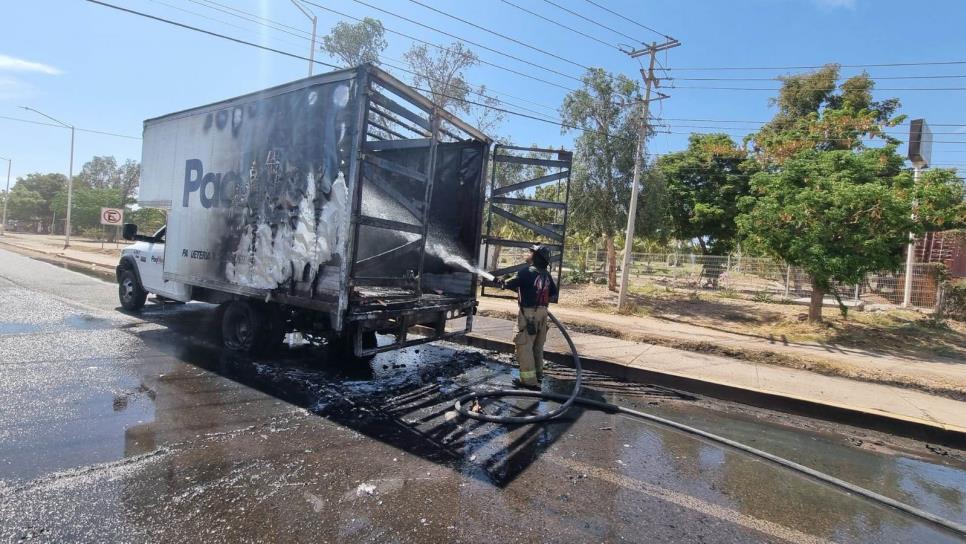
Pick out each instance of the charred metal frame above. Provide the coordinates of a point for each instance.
(500, 195)
(383, 123)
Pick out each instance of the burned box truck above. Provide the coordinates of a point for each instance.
(339, 206)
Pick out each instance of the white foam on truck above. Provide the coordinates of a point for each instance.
(263, 262)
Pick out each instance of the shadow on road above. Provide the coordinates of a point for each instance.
(402, 398)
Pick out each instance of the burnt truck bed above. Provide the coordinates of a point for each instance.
(347, 195)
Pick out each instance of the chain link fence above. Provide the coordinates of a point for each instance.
(756, 278)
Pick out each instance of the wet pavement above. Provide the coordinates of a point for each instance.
(138, 428)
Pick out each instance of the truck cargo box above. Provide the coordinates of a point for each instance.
(348, 193)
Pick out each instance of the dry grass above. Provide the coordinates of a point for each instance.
(897, 332)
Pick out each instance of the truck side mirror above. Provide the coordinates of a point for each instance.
(130, 231)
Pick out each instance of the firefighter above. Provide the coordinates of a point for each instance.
(535, 288)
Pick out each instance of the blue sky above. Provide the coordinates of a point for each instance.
(104, 70)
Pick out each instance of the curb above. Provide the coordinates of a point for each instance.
(99, 270)
(950, 436)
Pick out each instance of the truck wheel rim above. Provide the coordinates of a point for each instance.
(241, 330)
(128, 288)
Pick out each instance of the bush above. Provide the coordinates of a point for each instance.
(954, 301)
(763, 296)
(577, 276)
(728, 292)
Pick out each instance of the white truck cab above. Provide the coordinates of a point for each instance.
(141, 271)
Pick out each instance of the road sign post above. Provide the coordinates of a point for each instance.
(920, 153)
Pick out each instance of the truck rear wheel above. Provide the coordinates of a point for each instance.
(242, 327)
(249, 326)
(130, 292)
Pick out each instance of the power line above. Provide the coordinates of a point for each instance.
(232, 8)
(442, 48)
(293, 55)
(210, 33)
(203, 16)
(78, 129)
(246, 29)
(259, 21)
(504, 36)
(816, 67)
(455, 37)
(645, 27)
(591, 21)
(778, 78)
(775, 89)
(570, 28)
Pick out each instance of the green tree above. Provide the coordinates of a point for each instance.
(703, 186)
(25, 204)
(103, 172)
(31, 197)
(816, 113)
(842, 214)
(86, 205)
(604, 156)
(826, 202)
(98, 173)
(356, 44)
(148, 220)
(129, 179)
(441, 74)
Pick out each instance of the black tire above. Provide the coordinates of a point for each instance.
(250, 327)
(130, 292)
(240, 326)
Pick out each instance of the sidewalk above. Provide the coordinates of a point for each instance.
(936, 375)
(891, 409)
(81, 251)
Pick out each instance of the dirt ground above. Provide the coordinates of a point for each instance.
(896, 331)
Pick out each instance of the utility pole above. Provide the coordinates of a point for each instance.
(6, 198)
(649, 81)
(70, 174)
(315, 21)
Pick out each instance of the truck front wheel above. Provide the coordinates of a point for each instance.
(130, 292)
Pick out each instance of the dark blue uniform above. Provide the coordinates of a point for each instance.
(534, 287)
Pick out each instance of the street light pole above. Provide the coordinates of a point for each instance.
(70, 190)
(70, 173)
(315, 21)
(6, 198)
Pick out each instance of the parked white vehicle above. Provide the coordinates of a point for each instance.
(141, 271)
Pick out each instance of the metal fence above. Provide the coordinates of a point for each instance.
(741, 276)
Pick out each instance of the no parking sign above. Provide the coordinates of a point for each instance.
(112, 216)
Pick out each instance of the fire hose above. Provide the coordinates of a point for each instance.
(567, 401)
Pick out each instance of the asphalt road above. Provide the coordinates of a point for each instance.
(138, 428)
